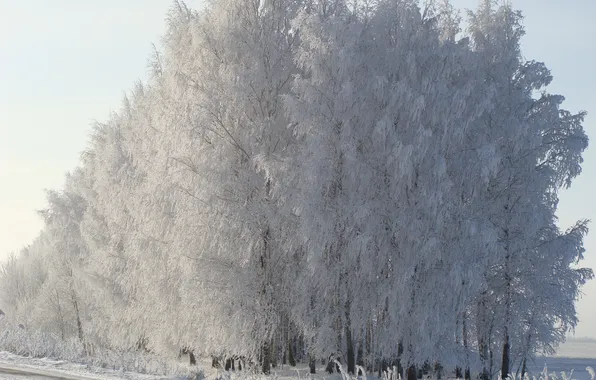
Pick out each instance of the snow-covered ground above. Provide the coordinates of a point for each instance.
(561, 364)
(61, 369)
(573, 355)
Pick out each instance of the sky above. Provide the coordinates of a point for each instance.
(66, 63)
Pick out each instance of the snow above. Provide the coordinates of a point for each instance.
(574, 354)
(562, 364)
(49, 368)
(584, 356)
(63, 369)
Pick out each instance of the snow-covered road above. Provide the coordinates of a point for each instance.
(18, 367)
(13, 374)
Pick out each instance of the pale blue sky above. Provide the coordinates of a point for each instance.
(64, 63)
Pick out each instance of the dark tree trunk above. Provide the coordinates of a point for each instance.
(360, 354)
(291, 358)
(191, 357)
(491, 358)
(79, 324)
(266, 359)
(332, 366)
(505, 357)
(523, 369)
(312, 364)
(458, 373)
(400, 352)
(483, 340)
(329, 368)
(274, 353)
(526, 350)
(412, 375)
(483, 350)
(490, 361)
(505, 361)
(350, 350)
(368, 347)
(465, 341)
(228, 364)
(383, 365)
(438, 370)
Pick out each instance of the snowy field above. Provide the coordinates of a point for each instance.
(562, 364)
(574, 354)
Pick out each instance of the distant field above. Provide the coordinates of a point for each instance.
(575, 354)
(578, 348)
(559, 364)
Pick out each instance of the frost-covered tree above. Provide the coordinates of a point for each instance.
(224, 126)
(539, 150)
(67, 252)
(22, 278)
(382, 108)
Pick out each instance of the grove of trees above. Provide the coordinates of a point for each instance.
(300, 179)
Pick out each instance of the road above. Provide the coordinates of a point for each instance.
(14, 372)
(10, 374)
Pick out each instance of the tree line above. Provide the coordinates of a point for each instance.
(302, 180)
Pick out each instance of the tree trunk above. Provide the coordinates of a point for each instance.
(368, 346)
(299, 349)
(60, 315)
(266, 359)
(360, 353)
(523, 369)
(312, 364)
(438, 371)
(491, 360)
(525, 352)
(483, 351)
(465, 341)
(412, 375)
(483, 339)
(400, 352)
(191, 358)
(330, 366)
(79, 324)
(505, 361)
(274, 353)
(349, 343)
(458, 373)
(382, 366)
(291, 358)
